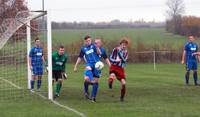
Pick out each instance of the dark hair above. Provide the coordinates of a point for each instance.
(36, 39)
(124, 41)
(86, 37)
(61, 46)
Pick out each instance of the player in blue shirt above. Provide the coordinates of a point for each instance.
(89, 52)
(98, 44)
(190, 59)
(36, 60)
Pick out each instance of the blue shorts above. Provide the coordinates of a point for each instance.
(95, 72)
(37, 70)
(191, 65)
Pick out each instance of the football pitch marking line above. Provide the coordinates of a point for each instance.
(53, 101)
(62, 106)
(11, 83)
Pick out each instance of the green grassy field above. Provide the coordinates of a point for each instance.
(146, 35)
(159, 93)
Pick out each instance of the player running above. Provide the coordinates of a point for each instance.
(59, 59)
(89, 52)
(36, 60)
(189, 58)
(118, 60)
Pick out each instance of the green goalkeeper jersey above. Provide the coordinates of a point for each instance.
(58, 61)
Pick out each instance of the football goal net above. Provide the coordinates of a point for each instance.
(17, 35)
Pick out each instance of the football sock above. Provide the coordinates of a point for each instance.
(32, 84)
(187, 77)
(86, 87)
(95, 89)
(39, 82)
(110, 82)
(58, 87)
(123, 91)
(195, 77)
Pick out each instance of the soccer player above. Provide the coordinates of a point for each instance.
(189, 58)
(36, 60)
(98, 44)
(59, 59)
(89, 52)
(118, 59)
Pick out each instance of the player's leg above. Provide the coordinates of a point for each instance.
(39, 80)
(123, 89)
(34, 76)
(187, 74)
(97, 74)
(111, 80)
(195, 76)
(88, 79)
(58, 86)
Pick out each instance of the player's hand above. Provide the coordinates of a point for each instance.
(46, 69)
(31, 68)
(118, 59)
(65, 77)
(182, 62)
(75, 69)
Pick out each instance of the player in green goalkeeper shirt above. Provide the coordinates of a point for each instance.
(59, 58)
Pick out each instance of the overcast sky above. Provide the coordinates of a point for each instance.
(107, 10)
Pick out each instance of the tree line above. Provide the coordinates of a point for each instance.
(177, 23)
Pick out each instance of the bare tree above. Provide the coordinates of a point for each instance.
(176, 8)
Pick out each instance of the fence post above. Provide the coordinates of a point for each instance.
(154, 60)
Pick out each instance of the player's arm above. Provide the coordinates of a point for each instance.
(64, 73)
(113, 56)
(78, 61)
(183, 57)
(123, 57)
(105, 57)
(30, 58)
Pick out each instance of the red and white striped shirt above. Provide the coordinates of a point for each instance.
(117, 54)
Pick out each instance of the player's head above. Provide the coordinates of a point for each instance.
(191, 38)
(123, 44)
(61, 50)
(37, 42)
(98, 43)
(88, 40)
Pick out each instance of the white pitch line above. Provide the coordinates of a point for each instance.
(14, 85)
(68, 108)
(54, 102)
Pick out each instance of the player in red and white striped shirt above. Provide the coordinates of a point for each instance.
(118, 60)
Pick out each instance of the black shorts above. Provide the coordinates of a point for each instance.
(57, 75)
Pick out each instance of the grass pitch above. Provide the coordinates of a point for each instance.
(159, 93)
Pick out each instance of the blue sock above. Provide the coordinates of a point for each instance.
(32, 84)
(95, 89)
(86, 87)
(39, 82)
(195, 77)
(187, 77)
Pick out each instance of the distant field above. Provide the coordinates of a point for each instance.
(159, 93)
(146, 35)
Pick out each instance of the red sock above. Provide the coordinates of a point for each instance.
(123, 91)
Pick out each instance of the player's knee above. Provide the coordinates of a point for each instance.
(96, 80)
(112, 75)
(60, 80)
(123, 81)
(88, 68)
(86, 78)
